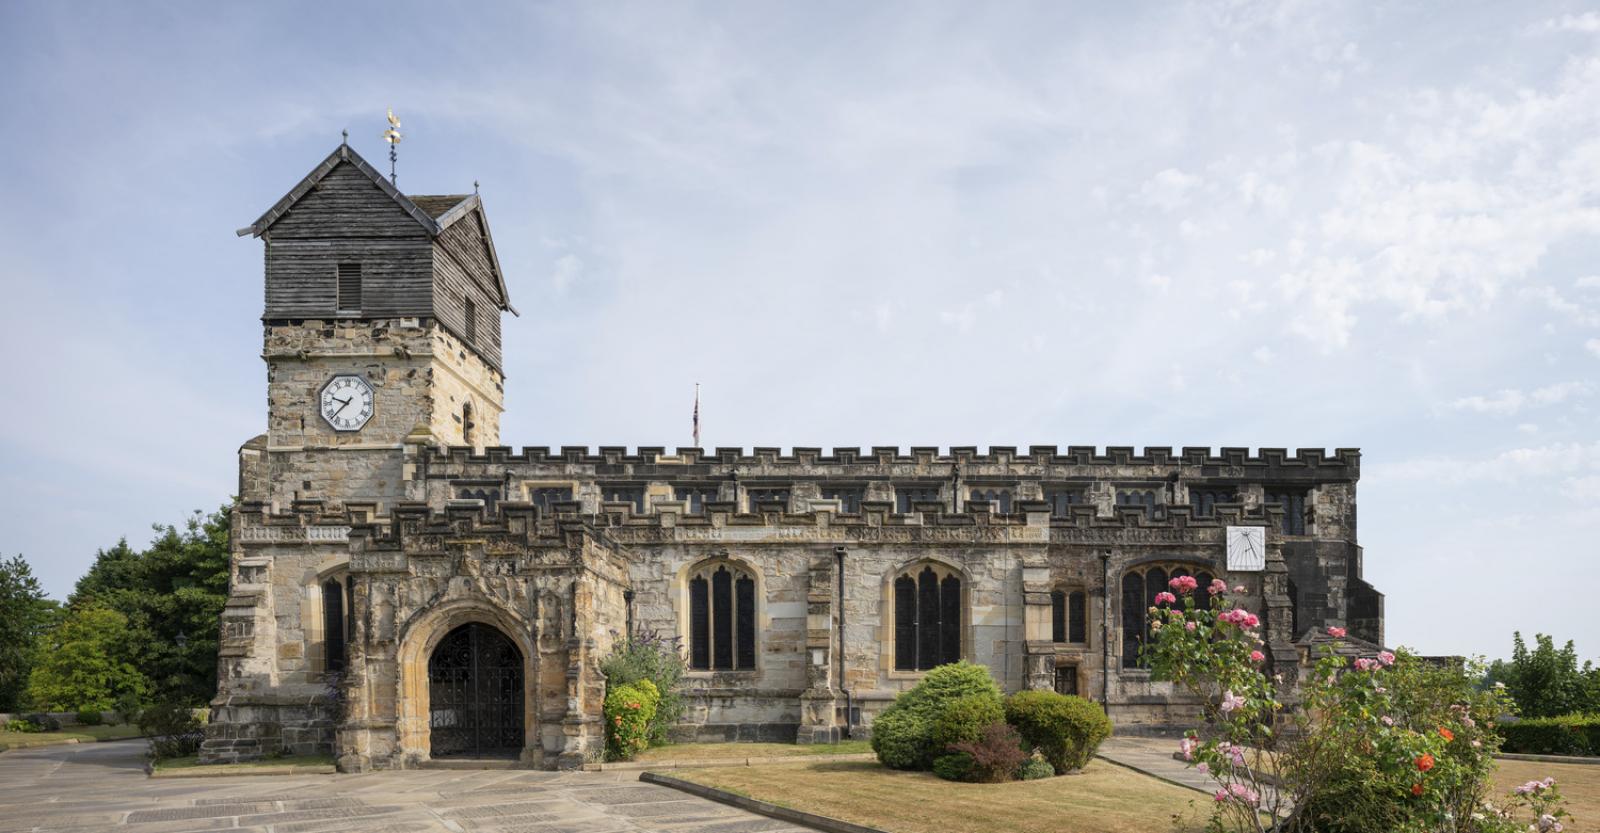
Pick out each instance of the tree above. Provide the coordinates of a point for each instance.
(1546, 681)
(25, 614)
(82, 665)
(171, 595)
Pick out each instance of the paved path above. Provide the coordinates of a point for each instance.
(102, 786)
(1153, 756)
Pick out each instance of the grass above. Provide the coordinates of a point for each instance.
(81, 734)
(1580, 783)
(192, 762)
(1103, 798)
(717, 751)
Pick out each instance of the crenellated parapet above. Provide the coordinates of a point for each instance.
(1345, 462)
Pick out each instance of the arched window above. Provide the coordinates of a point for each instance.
(1143, 498)
(722, 618)
(1139, 588)
(469, 432)
(1069, 614)
(334, 635)
(999, 499)
(927, 618)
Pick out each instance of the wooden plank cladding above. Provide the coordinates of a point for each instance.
(424, 257)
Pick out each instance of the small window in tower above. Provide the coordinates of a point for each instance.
(349, 288)
(471, 315)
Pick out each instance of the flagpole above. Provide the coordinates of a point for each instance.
(696, 414)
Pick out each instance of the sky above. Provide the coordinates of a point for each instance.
(1300, 225)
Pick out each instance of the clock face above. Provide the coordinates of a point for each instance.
(346, 402)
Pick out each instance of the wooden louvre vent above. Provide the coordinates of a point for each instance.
(349, 287)
(471, 314)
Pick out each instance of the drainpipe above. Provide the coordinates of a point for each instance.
(849, 707)
(1105, 631)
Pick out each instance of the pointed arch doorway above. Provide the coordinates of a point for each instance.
(475, 690)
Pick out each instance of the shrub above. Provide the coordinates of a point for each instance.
(906, 740)
(963, 719)
(649, 657)
(174, 730)
(23, 725)
(45, 722)
(956, 766)
(91, 717)
(1066, 729)
(1574, 734)
(996, 755)
(629, 710)
(1035, 768)
(902, 739)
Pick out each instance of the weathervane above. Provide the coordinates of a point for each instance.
(392, 136)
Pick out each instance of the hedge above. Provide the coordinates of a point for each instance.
(1573, 734)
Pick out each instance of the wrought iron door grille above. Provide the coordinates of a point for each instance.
(475, 694)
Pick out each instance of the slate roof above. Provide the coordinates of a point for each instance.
(437, 205)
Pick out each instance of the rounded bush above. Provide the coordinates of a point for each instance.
(906, 740)
(1035, 768)
(963, 719)
(1065, 729)
(956, 766)
(902, 739)
(629, 712)
(91, 717)
(45, 722)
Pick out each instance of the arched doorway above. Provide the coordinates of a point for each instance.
(475, 694)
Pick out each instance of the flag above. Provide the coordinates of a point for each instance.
(696, 414)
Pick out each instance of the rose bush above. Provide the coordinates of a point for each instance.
(1388, 742)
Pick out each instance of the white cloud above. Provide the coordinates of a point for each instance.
(1593, 346)
(1511, 400)
(1588, 22)
(1168, 190)
(568, 269)
(1515, 465)
(1587, 282)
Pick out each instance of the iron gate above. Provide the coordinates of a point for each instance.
(475, 694)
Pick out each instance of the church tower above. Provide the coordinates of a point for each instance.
(382, 330)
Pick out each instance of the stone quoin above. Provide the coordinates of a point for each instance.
(404, 587)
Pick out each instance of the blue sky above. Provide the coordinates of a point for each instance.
(1250, 224)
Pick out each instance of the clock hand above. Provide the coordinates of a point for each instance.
(343, 403)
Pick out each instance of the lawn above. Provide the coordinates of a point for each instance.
(1103, 798)
(1580, 783)
(711, 751)
(81, 734)
(192, 762)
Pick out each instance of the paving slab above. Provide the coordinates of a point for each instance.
(103, 787)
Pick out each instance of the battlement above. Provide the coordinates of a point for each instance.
(925, 455)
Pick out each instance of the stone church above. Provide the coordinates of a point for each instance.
(407, 588)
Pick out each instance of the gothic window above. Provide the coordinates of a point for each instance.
(1293, 502)
(999, 499)
(1077, 617)
(722, 618)
(1139, 589)
(624, 494)
(906, 497)
(490, 497)
(334, 635)
(546, 497)
(1145, 498)
(927, 618)
(1205, 500)
(470, 315)
(697, 495)
(756, 497)
(849, 497)
(1061, 501)
(348, 289)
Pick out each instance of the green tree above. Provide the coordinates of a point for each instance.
(171, 594)
(25, 614)
(82, 665)
(1546, 681)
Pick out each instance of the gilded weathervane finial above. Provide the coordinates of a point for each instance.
(392, 136)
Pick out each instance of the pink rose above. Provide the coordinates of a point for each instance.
(1183, 584)
(1231, 701)
(1239, 589)
(1165, 598)
(1218, 587)
(1336, 633)
(1257, 656)
(1189, 626)
(1203, 767)
(1365, 664)
(1251, 620)
(1386, 657)
(1386, 720)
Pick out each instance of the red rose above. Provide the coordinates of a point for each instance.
(1424, 763)
(1416, 789)
(1446, 734)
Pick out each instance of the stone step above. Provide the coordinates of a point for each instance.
(473, 763)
